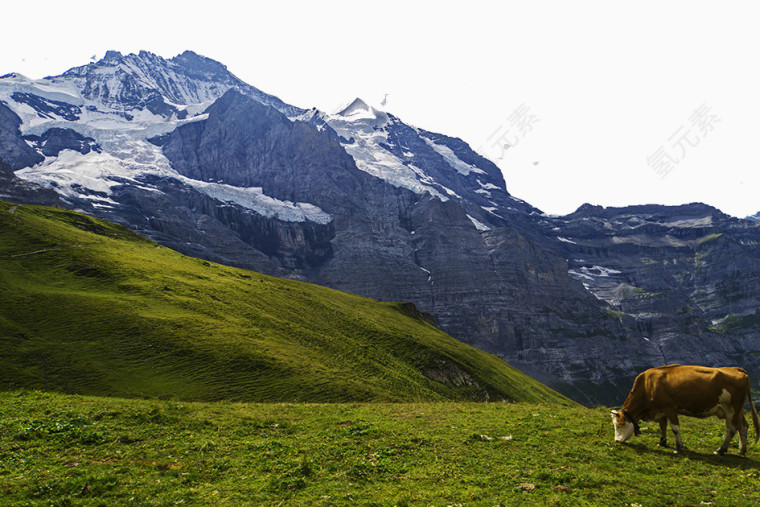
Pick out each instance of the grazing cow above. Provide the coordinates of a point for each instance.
(661, 394)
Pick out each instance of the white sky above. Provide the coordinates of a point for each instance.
(603, 85)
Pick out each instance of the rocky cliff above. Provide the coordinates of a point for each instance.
(683, 278)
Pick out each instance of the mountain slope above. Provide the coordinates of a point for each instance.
(357, 201)
(184, 153)
(89, 307)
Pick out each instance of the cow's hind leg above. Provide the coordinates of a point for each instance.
(731, 424)
(663, 432)
(743, 427)
(676, 431)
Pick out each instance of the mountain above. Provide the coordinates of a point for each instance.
(755, 217)
(113, 313)
(682, 280)
(184, 153)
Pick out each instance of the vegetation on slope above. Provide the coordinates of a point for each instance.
(88, 307)
(74, 450)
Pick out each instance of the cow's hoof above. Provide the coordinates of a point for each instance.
(663, 444)
(720, 452)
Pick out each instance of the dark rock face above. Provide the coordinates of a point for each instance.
(245, 143)
(16, 190)
(14, 151)
(682, 278)
(191, 222)
(47, 108)
(55, 140)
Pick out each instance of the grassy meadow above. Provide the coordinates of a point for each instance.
(81, 450)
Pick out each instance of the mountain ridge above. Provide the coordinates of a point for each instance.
(365, 203)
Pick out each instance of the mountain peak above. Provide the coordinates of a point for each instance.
(190, 54)
(15, 76)
(355, 107)
(197, 64)
(113, 56)
(147, 55)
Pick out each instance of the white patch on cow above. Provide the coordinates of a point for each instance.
(622, 431)
(723, 410)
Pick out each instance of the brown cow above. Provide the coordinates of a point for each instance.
(661, 394)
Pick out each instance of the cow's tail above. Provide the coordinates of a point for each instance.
(754, 415)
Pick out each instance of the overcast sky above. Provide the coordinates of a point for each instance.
(600, 102)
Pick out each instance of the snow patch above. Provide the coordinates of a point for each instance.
(479, 225)
(94, 175)
(593, 272)
(492, 210)
(369, 134)
(487, 186)
(79, 176)
(455, 162)
(254, 199)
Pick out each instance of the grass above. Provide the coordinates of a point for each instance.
(707, 238)
(88, 307)
(80, 450)
(736, 324)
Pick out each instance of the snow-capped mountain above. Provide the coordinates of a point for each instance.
(115, 105)
(421, 161)
(101, 115)
(144, 81)
(184, 152)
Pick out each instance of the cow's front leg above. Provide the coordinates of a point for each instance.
(677, 432)
(663, 432)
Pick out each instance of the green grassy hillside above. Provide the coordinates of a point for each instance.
(75, 450)
(88, 307)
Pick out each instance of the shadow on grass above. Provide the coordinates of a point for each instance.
(730, 459)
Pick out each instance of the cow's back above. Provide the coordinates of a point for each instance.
(694, 389)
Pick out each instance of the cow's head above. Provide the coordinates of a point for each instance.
(624, 427)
